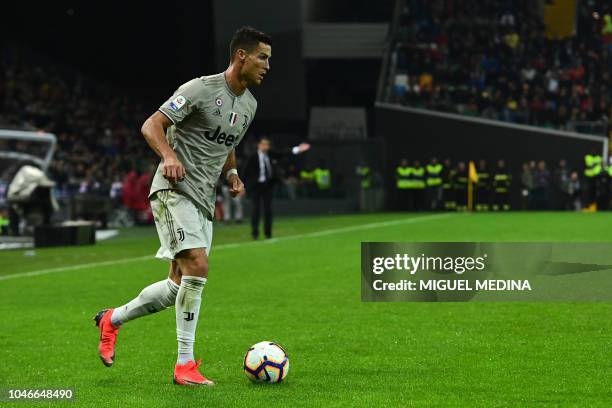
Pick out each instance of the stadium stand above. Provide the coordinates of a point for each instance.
(95, 124)
(495, 59)
(101, 163)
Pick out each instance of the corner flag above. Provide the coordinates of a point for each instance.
(472, 173)
(472, 179)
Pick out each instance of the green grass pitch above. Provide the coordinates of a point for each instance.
(302, 290)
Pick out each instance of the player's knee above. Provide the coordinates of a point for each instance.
(200, 267)
(197, 266)
(194, 264)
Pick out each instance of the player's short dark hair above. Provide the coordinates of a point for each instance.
(248, 39)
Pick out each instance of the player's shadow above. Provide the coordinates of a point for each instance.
(569, 268)
(109, 382)
(267, 385)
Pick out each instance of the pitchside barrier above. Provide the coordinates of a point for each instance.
(421, 134)
(69, 233)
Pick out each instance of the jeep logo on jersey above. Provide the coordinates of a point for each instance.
(220, 137)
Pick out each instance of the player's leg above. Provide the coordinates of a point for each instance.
(153, 298)
(187, 241)
(193, 264)
(175, 273)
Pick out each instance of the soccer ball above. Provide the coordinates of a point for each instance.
(266, 362)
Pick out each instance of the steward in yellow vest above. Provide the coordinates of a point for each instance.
(433, 181)
(502, 179)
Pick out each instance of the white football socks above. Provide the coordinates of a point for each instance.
(187, 308)
(154, 298)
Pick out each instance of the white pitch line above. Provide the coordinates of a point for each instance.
(333, 231)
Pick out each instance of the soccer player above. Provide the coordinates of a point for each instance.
(194, 133)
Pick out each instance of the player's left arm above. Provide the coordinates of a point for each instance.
(231, 175)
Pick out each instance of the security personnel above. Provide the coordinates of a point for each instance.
(461, 186)
(603, 189)
(502, 179)
(322, 177)
(365, 187)
(592, 169)
(433, 182)
(448, 189)
(606, 30)
(306, 182)
(365, 176)
(609, 180)
(418, 177)
(4, 223)
(404, 185)
(483, 187)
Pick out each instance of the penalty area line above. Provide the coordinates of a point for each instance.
(315, 234)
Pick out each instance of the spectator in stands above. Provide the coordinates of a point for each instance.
(541, 187)
(130, 192)
(527, 185)
(561, 179)
(574, 191)
(141, 197)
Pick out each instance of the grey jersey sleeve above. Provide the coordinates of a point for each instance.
(186, 99)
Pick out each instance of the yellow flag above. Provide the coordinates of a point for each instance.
(472, 173)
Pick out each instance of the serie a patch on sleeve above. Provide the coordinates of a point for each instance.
(177, 103)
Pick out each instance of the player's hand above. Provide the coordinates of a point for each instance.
(236, 186)
(174, 171)
(302, 147)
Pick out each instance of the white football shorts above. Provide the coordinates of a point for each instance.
(180, 224)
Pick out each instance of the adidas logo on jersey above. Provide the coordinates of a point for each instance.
(220, 137)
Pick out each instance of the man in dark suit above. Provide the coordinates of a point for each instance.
(261, 177)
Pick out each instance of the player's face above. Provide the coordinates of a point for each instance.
(257, 64)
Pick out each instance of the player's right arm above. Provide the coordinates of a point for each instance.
(154, 132)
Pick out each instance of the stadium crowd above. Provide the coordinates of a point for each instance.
(101, 156)
(492, 59)
(95, 125)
